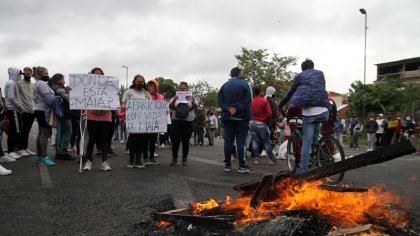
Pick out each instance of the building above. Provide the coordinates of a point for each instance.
(341, 102)
(406, 69)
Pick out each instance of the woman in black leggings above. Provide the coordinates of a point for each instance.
(182, 124)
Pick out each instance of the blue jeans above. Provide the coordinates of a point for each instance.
(123, 131)
(63, 136)
(235, 129)
(311, 126)
(260, 134)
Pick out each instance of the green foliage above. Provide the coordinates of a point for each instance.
(200, 89)
(388, 96)
(121, 92)
(210, 99)
(205, 94)
(167, 87)
(262, 70)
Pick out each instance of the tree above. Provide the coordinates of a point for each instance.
(387, 96)
(121, 92)
(261, 70)
(199, 90)
(167, 87)
(210, 98)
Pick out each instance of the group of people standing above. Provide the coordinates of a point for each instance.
(244, 109)
(381, 131)
(25, 101)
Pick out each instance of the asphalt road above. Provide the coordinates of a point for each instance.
(57, 200)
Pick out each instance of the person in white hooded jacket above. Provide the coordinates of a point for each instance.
(14, 110)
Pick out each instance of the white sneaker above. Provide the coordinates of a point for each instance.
(23, 153)
(30, 152)
(162, 146)
(4, 171)
(6, 158)
(155, 155)
(105, 166)
(263, 153)
(122, 141)
(88, 166)
(14, 155)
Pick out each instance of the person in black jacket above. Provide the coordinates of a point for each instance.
(371, 128)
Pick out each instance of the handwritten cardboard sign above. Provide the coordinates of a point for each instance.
(146, 116)
(93, 92)
(184, 96)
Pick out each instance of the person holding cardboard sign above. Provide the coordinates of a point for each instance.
(183, 106)
(137, 141)
(98, 125)
(153, 89)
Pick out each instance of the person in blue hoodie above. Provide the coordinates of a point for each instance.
(309, 94)
(234, 98)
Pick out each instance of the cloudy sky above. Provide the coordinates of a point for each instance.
(191, 40)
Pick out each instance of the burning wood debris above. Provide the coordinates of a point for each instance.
(294, 207)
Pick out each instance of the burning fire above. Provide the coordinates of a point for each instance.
(342, 208)
(164, 224)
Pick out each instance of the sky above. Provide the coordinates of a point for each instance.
(192, 40)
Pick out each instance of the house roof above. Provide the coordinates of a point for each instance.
(414, 59)
(331, 93)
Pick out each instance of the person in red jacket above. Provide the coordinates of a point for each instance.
(258, 126)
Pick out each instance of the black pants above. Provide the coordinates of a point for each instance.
(111, 134)
(27, 121)
(164, 139)
(151, 143)
(200, 136)
(15, 127)
(181, 131)
(98, 133)
(378, 142)
(138, 147)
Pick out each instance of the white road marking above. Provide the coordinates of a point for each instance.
(45, 176)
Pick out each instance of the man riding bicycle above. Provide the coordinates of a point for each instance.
(308, 93)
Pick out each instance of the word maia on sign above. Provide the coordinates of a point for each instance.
(146, 116)
(93, 92)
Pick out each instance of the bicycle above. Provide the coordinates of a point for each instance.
(327, 151)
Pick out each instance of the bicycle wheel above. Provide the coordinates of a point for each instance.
(293, 152)
(330, 151)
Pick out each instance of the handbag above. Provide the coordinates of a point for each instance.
(53, 120)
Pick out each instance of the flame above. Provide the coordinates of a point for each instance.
(164, 224)
(342, 208)
(199, 207)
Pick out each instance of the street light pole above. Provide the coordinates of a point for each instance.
(363, 11)
(126, 75)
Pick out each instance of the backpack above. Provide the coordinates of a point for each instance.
(182, 111)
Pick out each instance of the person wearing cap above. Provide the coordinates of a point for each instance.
(269, 95)
(26, 96)
(380, 130)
